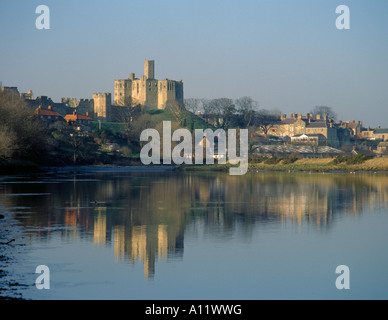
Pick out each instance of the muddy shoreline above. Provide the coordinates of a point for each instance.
(9, 248)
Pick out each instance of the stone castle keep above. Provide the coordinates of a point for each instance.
(148, 91)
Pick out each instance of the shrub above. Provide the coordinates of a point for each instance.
(273, 160)
(290, 160)
(349, 160)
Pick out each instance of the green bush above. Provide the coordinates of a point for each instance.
(290, 160)
(349, 160)
(273, 160)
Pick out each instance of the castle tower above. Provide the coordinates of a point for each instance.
(102, 106)
(149, 69)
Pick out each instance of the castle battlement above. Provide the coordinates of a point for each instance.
(102, 95)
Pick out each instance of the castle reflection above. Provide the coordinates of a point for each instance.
(144, 216)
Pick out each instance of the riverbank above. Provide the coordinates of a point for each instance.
(9, 248)
(304, 165)
(325, 165)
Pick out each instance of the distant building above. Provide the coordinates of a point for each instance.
(381, 134)
(148, 91)
(27, 96)
(12, 89)
(382, 148)
(307, 125)
(49, 116)
(302, 151)
(311, 139)
(355, 127)
(102, 106)
(79, 121)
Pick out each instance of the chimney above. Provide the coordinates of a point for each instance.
(318, 117)
(299, 116)
(292, 116)
(49, 107)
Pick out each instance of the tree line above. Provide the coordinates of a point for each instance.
(22, 136)
(243, 112)
(225, 113)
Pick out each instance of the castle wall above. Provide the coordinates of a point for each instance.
(152, 93)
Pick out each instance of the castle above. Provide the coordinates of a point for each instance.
(131, 92)
(148, 91)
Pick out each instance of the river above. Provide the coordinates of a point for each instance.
(127, 234)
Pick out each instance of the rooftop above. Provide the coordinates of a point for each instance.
(381, 130)
(76, 116)
(46, 112)
(295, 149)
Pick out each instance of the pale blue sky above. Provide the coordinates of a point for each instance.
(286, 54)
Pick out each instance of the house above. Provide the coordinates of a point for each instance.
(298, 125)
(49, 116)
(311, 139)
(367, 134)
(381, 134)
(382, 148)
(79, 121)
(355, 127)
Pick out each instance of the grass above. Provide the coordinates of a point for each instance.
(302, 165)
(325, 165)
(113, 127)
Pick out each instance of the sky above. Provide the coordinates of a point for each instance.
(286, 54)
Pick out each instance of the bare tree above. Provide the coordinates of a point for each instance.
(325, 111)
(265, 120)
(218, 109)
(29, 137)
(193, 105)
(7, 143)
(246, 107)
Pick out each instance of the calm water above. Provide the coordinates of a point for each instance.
(169, 235)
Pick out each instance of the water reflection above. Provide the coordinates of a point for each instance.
(144, 216)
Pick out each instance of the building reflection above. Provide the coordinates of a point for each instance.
(144, 217)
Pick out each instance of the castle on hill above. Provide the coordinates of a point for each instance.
(146, 92)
